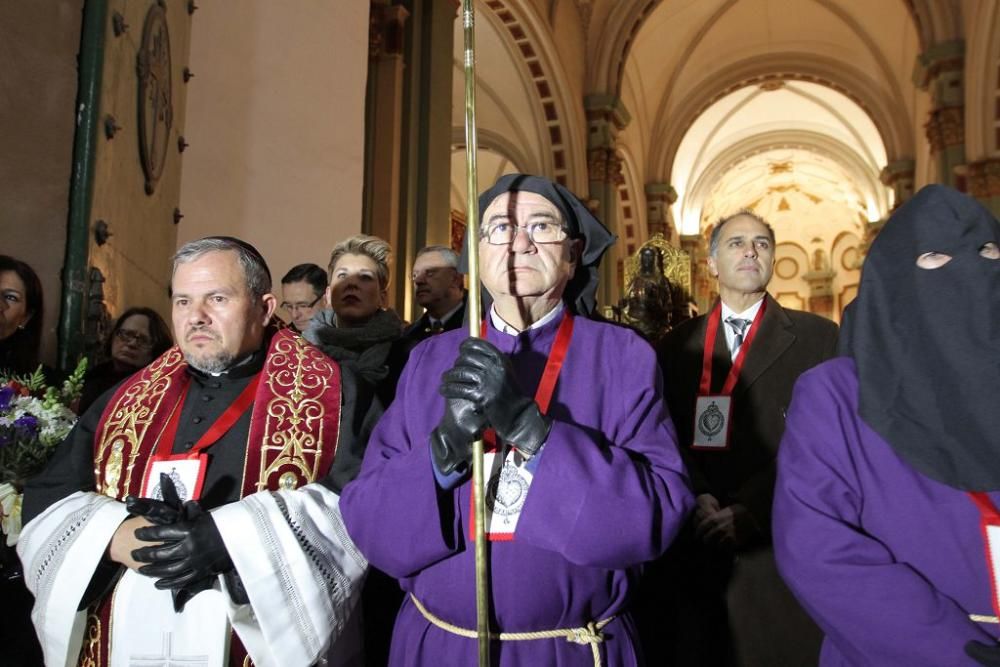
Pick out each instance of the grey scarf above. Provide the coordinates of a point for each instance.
(364, 349)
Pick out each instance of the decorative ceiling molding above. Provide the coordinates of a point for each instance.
(563, 126)
(669, 130)
(605, 71)
(861, 173)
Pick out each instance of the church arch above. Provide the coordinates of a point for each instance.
(861, 172)
(895, 128)
(561, 125)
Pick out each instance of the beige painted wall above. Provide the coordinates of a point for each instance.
(275, 122)
(38, 80)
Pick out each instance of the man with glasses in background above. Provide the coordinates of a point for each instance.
(302, 292)
(438, 288)
(584, 481)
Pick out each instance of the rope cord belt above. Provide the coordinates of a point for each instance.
(979, 618)
(591, 634)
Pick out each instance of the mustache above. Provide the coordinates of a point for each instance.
(200, 330)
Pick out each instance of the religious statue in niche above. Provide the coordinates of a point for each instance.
(820, 262)
(657, 289)
(648, 302)
(156, 112)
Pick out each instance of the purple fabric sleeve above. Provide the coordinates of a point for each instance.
(595, 501)
(841, 548)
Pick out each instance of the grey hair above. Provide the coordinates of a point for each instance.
(372, 247)
(255, 271)
(713, 241)
(450, 256)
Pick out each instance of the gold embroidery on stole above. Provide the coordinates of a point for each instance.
(299, 377)
(90, 652)
(128, 420)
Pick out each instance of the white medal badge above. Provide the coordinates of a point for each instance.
(711, 422)
(187, 475)
(507, 486)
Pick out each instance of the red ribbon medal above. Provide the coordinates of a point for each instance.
(506, 482)
(188, 470)
(713, 412)
(989, 523)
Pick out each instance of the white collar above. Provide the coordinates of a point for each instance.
(748, 314)
(500, 325)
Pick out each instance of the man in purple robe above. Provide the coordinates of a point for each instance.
(889, 469)
(582, 489)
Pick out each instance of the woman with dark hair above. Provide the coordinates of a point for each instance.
(21, 308)
(139, 336)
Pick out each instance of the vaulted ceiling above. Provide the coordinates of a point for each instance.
(714, 90)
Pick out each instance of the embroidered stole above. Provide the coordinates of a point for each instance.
(293, 438)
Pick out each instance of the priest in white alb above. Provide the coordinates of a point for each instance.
(192, 515)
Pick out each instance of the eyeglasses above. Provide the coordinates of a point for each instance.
(503, 233)
(140, 340)
(302, 305)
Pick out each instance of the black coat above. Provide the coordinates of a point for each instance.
(412, 336)
(788, 343)
(706, 606)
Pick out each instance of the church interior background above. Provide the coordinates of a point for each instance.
(135, 125)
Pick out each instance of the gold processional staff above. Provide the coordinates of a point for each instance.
(475, 309)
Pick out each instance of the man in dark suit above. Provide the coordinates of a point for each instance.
(440, 289)
(717, 594)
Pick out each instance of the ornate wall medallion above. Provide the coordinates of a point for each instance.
(156, 112)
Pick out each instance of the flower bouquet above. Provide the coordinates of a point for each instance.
(34, 419)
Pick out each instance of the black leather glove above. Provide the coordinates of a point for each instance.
(451, 441)
(160, 512)
(482, 374)
(181, 596)
(164, 512)
(984, 654)
(192, 550)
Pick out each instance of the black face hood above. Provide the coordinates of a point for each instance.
(927, 342)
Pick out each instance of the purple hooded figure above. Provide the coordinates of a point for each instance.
(889, 470)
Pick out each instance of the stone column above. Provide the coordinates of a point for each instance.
(606, 116)
(425, 157)
(898, 175)
(983, 180)
(659, 220)
(940, 70)
(702, 284)
(384, 129)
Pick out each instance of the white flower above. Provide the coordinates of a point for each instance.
(10, 513)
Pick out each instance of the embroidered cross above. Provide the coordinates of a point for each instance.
(168, 659)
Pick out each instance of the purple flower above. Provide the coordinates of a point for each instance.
(26, 425)
(6, 396)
